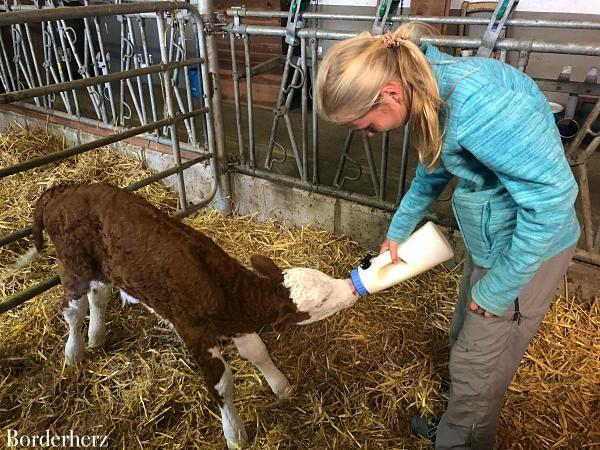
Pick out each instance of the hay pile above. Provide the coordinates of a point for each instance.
(358, 375)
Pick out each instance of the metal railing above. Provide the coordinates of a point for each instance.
(99, 84)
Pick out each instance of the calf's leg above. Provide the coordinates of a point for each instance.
(252, 348)
(99, 296)
(233, 426)
(219, 381)
(74, 314)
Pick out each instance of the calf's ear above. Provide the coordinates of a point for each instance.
(266, 266)
(289, 315)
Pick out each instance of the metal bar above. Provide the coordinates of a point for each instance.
(504, 8)
(200, 81)
(166, 173)
(166, 76)
(79, 12)
(82, 148)
(182, 108)
(15, 300)
(291, 89)
(278, 110)
(186, 78)
(251, 150)
(33, 56)
(535, 46)
(6, 81)
(315, 121)
(403, 165)
(95, 97)
(15, 236)
(578, 24)
(122, 103)
(104, 68)
(213, 90)
(89, 49)
(264, 66)
(142, 26)
(236, 98)
(385, 147)
(129, 56)
(371, 162)
(6, 65)
(65, 58)
(290, 130)
(304, 109)
(212, 101)
(11, 97)
(53, 50)
(343, 157)
(140, 90)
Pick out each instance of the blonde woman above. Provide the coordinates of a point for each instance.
(487, 124)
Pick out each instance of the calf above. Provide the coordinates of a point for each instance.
(105, 236)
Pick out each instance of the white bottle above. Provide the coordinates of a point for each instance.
(424, 249)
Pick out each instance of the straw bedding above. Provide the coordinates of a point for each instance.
(358, 376)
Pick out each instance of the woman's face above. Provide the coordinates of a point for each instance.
(389, 113)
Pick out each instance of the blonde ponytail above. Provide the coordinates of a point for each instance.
(354, 71)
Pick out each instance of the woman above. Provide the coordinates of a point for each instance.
(489, 125)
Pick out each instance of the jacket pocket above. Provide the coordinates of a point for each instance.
(486, 220)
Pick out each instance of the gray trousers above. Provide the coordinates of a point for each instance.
(486, 352)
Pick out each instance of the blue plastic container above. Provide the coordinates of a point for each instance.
(194, 80)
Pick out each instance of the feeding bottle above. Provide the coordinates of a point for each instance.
(424, 249)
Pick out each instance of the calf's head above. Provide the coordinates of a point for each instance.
(314, 294)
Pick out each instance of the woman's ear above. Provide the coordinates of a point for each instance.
(393, 90)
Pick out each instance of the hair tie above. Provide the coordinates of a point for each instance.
(391, 40)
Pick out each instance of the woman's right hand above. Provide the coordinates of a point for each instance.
(392, 246)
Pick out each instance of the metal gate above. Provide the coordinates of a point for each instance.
(46, 77)
(304, 36)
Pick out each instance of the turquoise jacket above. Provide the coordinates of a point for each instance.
(515, 193)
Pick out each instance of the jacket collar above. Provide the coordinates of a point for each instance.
(439, 64)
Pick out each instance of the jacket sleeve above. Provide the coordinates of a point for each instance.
(424, 189)
(514, 135)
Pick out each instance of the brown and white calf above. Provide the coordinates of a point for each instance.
(105, 236)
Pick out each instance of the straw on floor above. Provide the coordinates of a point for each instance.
(358, 376)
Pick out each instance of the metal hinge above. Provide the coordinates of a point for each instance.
(215, 23)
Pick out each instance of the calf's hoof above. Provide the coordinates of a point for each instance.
(284, 391)
(238, 439)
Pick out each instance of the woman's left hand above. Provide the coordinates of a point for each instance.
(479, 310)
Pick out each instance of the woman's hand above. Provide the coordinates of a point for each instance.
(479, 310)
(392, 246)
